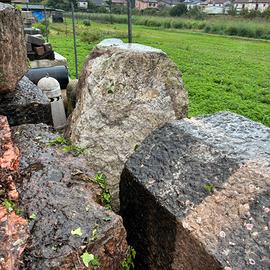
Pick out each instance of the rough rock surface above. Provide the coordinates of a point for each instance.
(13, 229)
(13, 238)
(196, 195)
(124, 92)
(27, 104)
(57, 193)
(13, 59)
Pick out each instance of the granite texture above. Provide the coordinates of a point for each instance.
(125, 91)
(13, 59)
(26, 105)
(195, 195)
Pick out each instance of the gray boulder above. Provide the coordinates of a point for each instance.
(124, 92)
(26, 105)
(58, 197)
(195, 195)
(13, 56)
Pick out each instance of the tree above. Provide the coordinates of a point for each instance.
(61, 4)
(178, 10)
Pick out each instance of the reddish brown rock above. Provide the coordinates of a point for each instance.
(13, 229)
(13, 238)
(9, 162)
(13, 59)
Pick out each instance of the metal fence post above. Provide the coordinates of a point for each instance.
(129, 21)
(75, 40)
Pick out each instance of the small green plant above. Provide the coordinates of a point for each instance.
(58, 141)
(33, 216)
(77, 232)
(209, 187)
(93, 236)
(11, 206)
(75, 150)
(90, 260)
(106, 197)
(128, 263)
(67, 146)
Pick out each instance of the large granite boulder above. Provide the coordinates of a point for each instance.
(195, 195)
(26, 105)
(124, 92)
(13, 56)
(13, 228)
(61, 201)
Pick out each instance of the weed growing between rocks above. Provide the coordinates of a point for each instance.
(68, 147)
(128, 262)
(106, 198)
(11, 206)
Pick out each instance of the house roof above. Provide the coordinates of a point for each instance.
(35, 7)
(218, 2)
(170, 2)
(119, 1)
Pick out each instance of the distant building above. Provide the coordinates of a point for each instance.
(82, 4)
(192, 3)
(119, 2)
(168, 3)
(216, 7)
(260, 5)
(20, 1)
(144, 4)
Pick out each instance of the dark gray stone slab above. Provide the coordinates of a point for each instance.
(196, 195)
(56, 189)
(27, 104)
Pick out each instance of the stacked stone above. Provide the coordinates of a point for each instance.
(20, 100)
(37, 48)
(52, 190)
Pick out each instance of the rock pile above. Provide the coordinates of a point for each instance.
(196, 195)
(13, 59)
(43, 188)
(124, 92)
(38, 49)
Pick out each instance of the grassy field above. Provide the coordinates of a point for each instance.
(220, 73)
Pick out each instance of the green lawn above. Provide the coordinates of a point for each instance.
(220, 73)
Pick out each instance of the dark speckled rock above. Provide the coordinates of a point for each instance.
(26, 105)
(195, 195)
(57, 194)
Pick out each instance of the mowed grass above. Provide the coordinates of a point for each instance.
(220, 73)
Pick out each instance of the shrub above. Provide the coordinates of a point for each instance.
(266, 13)
(232, 31)
(87, 22)
(150, 11)
(177, 24)
(196, 13)
(42, 27)
(178, 10)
